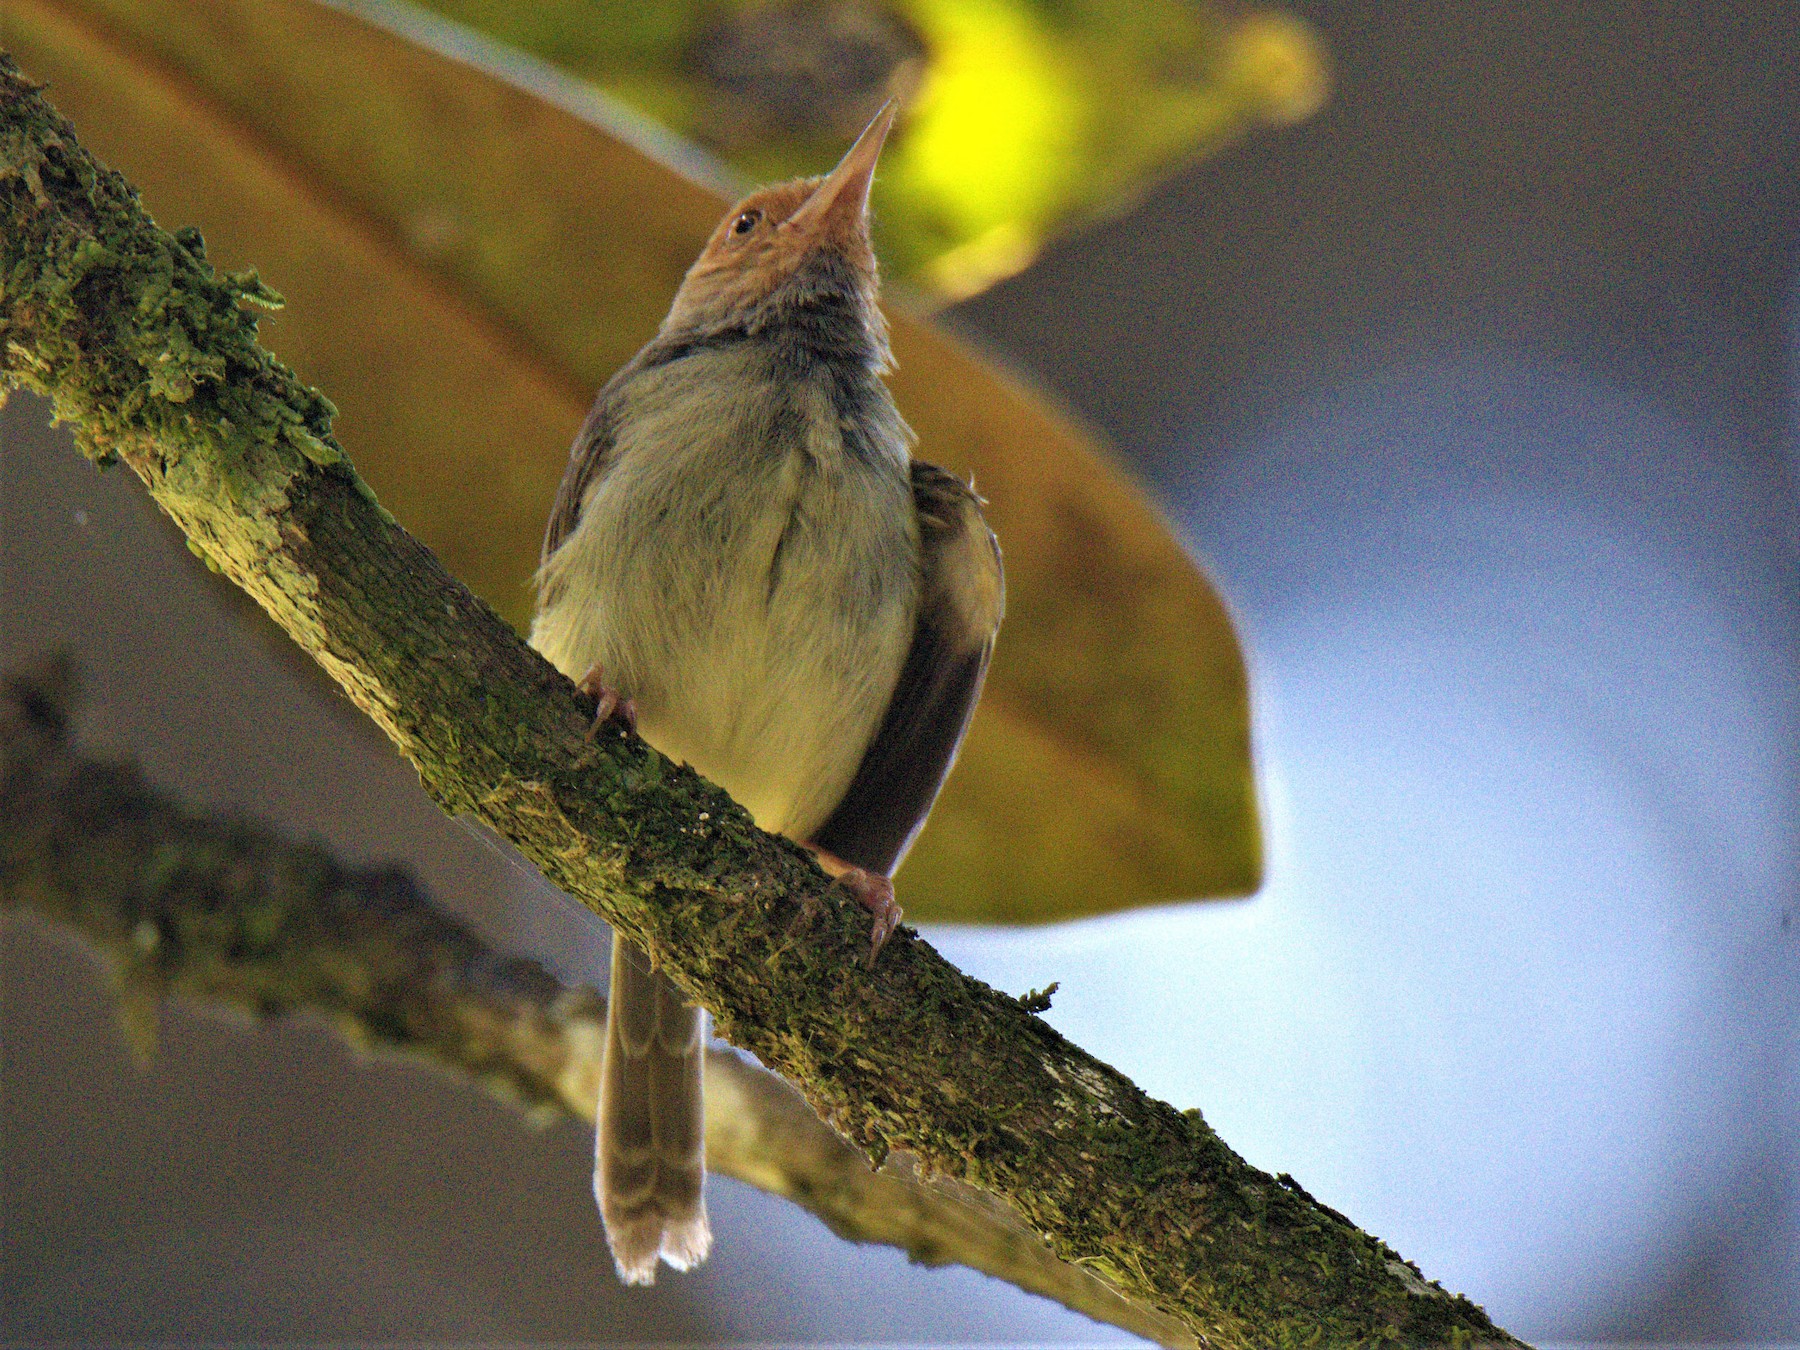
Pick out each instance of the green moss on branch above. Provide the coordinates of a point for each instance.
(154, 357)
(222, 910)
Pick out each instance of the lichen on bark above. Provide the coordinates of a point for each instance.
(225, 911)
(154, 358)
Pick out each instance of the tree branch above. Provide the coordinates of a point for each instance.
(154, 358)
(228, 912)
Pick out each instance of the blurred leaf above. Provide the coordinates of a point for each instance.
(466, 259)
(1022, 115)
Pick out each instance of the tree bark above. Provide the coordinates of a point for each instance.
(154, 358)
(226, 911)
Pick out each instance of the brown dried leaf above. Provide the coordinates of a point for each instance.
(465, 258)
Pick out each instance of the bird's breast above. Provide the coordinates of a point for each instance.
(747, 570)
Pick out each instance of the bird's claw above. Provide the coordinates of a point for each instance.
(877, 895)
(609, 704)
(873, 892)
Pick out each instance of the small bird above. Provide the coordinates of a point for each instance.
(746, 563)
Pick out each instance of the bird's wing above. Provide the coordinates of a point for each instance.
(961, 600)
(589, 458)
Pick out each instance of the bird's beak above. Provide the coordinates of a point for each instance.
(839, 206)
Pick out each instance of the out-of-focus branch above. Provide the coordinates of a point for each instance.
(225, 911)
(153, 357)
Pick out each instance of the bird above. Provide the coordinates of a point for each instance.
(746, 563)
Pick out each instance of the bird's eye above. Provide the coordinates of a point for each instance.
(746, 222)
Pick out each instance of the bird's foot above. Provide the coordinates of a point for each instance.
(873, 892)
(609, 704)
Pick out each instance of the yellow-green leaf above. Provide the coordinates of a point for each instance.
(465, 256)
(1023, 115)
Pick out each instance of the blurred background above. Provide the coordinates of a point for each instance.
(1472, 392)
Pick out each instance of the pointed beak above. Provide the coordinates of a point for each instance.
(839, 206)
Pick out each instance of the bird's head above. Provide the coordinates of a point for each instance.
(788, 252)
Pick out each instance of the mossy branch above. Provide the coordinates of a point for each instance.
(154, 358)
(225, 911)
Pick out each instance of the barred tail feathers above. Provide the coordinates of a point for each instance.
(650, 1147)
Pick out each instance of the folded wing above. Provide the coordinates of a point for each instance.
(961, 601)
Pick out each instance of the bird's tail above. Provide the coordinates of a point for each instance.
(650, 1150)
